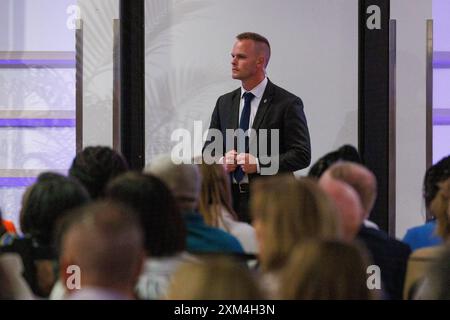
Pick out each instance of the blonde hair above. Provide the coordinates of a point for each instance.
(440, 208)
(215, 194)
(290, 211)
(214, 278)
(324, 270)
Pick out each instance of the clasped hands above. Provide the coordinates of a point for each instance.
(246, 161)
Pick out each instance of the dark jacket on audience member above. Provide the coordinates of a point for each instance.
(391, 256)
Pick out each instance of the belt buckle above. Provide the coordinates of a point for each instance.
(243, 187)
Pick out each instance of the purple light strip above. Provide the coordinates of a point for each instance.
(37, 122)
(27, 63)
(441, 117)
(441, 59)
(16, 182)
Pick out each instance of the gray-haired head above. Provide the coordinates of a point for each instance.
(184, 180)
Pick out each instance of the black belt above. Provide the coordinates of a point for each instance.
(243, 187)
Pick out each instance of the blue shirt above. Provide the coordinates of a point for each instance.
(422, 236)
(202, 238)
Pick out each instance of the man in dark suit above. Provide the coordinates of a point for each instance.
(389, 254)
(278, 140)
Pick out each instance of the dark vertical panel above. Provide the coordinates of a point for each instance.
(392, 125)
(132, 92)
(373, 119)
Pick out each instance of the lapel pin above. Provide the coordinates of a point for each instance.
(265, 100)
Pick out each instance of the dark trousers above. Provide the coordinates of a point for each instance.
(241, 197)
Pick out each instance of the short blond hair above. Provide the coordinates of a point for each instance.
(261, 42)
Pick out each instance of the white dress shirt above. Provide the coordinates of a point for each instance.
(258, 92)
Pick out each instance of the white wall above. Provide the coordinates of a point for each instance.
(441, 17)
(314, 55)
(34, 25)
(98, 18)
(441, 77)
(411, 16)
(442, 149)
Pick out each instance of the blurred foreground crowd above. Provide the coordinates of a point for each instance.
(170, 232)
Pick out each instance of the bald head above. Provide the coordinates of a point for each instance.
(105, 241)
(361, 179)
(347, 204)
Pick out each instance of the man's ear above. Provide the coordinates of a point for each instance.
(261, 61)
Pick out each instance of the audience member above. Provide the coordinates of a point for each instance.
(216, 206)
(214, 278)
(172, 233)
(286, 212)
(421, 259)
(388, 253)
(347, 203)
(436, 284)
(94, 167)
(43, 205)
(184, 180)
(45, 202)
(326, 270)
(104, 243)
(163, 226)
(344, 153)
(425, 235)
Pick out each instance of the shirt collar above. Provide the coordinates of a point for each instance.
(257, 91)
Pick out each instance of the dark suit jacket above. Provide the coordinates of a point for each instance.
(278, 109)
(391, 256)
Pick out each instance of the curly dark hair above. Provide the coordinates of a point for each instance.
(163, 225)
(435, 174)
(94, 167)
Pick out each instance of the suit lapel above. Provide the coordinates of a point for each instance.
(233, 120)
(263, 105)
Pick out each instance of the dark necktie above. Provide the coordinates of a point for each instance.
(244, 124)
